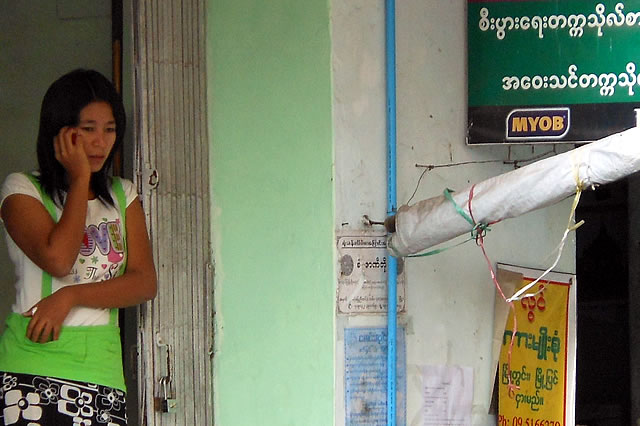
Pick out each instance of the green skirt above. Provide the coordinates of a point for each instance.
(90, 354)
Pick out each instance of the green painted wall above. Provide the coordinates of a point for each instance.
(272, 164)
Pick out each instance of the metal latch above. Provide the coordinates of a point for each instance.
(168, 403)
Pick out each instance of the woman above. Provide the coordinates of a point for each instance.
(78, 239)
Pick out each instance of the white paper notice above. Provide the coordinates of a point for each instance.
(447, 393)
(362, 276)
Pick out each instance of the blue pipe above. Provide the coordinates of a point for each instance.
(390, 60)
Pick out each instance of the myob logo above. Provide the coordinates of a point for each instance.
(538, 123)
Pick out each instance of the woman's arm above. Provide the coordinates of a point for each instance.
(52, 246)
(136, 285)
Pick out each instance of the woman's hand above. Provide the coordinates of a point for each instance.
(48, 315)
(69, 151)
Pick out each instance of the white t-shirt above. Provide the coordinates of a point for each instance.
(100, 257)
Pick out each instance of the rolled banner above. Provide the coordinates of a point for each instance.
(537, 185)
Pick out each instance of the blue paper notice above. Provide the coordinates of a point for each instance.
(365, 376)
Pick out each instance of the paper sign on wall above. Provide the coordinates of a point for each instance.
(362, 274)
(447, 395)
(543, 353)
(365, 376)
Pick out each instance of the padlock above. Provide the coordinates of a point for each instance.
(169, 405)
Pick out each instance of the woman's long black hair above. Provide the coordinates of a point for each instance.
(61, 107)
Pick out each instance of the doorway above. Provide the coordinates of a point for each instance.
(33, 36)
(165, 98)
(603, 384)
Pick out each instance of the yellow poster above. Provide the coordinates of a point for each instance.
(538, 350)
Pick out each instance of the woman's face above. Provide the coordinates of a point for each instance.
(97, 131)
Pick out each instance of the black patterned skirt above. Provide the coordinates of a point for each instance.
(45, 401)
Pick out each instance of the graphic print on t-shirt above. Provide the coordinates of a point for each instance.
(102, 252)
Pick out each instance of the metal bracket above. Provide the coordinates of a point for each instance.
(150, 178)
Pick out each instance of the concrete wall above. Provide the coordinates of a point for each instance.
(277, 126)
(40, 41)
(450, 296)
(296, 91)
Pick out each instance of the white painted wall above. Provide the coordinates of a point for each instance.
(450, 296)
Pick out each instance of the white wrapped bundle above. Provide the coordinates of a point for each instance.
(541, 184)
